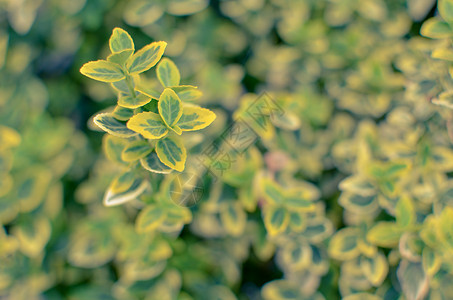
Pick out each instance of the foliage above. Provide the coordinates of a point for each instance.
(321, 170)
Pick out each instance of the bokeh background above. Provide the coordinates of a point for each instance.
(356, 81)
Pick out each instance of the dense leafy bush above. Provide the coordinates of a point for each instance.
(319, 169)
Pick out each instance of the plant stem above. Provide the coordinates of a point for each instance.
(130, 85)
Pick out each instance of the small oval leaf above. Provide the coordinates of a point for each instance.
(152, 163)
(120, 40)
(195, 118)
(102, 70)
(172, 153)
(148, 124)
(130, 101)
(150, 218)
(168, 73)
(146, 58)
(136, 150)
(170, 107)
(109, 124)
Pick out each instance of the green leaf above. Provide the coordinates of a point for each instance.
(445, 8)
(436, 29)
(145, 87)
(138, 187)
(122, 182)
(344, 244)
(108, 123)
(120, 58)
(170, 107)
(172, 153)
(148, 124)
(130, 101)
(187, 92)
(358, 185)
(9, 138)
(146, 57)
(430, 231)
(287, 121)
(282, 289)
(297, 256)
(296, 202)
(102, 70)
(272, 192)
(195, 118)
(297, 221)
(122, 86)
(405, 212)
(136, 150)
(361, 296)
(150, 218)
(91, 248)
(153, 164)
(431, 261)
(33, 235)
(385, 234)
(120, 40)
(445, 230)
(357, 203)
(233, 218)
(443, 53)
(413, 280)
(276, 219)
(375, 268)
(122, 113)
(113, 147)
(168, 73)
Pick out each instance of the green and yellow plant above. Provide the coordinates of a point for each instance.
(149, 119)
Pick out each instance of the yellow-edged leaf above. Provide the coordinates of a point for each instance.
(384, 234)
(146, 58)
(344, 244)
(136, 150)
(375, 268)
(172, 152)
(8, 137)
(436, 29)
(148, 124)
(102, 70)
(120, 57)
(272, 192)
(233, 218)
(170, 107)
(187, 92)
(122, 113)
(276, 219)
(405, 212)
(122, 182)
(130, 101)
(153, 164)
(168, 73)
(150, 218)
(113, 146)
(195, 118)
(120, 40)
(109, 124)
(138, 187)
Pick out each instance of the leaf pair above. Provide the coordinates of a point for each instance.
(285, 207)
(172, 116)
(122, 61)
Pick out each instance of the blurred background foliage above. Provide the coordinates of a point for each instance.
(346, 195)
